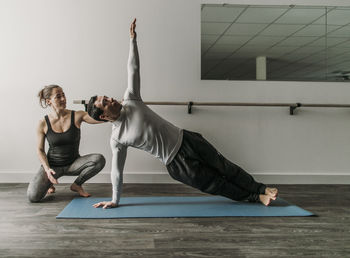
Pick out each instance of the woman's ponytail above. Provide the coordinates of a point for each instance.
(45, 94)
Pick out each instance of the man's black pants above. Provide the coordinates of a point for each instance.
(200, 165)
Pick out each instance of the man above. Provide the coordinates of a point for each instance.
(188, 157)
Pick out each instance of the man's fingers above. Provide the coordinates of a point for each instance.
(99, 204)
(133, 25)
(104, 205)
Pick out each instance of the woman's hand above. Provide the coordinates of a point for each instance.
(105, 205)
(83, 116)
(50, 172)
(132, 29)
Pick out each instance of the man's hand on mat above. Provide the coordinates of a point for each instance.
(105, 205)
(50, 174)
(132, 29)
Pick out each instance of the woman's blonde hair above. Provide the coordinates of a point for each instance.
(45, 94)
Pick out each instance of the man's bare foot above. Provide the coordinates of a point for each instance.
(266, 199)
(77, 188)
(51, 190)
(273, 192)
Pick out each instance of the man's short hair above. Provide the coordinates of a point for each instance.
(94, 111)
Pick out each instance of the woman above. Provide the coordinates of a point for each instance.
(61, 128)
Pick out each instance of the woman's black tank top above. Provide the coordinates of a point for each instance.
(63, 147)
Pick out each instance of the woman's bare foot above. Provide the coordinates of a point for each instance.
(77, 188)
(273, 192)
(51, 190)
(266, 199)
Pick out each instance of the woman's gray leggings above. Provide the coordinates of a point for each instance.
(84, 167)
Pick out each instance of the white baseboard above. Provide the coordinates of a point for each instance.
(163, 177)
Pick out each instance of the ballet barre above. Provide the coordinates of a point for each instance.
(190, 104)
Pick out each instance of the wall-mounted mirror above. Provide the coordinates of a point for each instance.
(280, 43)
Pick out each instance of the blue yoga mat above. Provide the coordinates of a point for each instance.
(170, 207)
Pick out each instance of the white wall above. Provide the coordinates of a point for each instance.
(83, 46)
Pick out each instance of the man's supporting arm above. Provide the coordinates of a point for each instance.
(118, 160)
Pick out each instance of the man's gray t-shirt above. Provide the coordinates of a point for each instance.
(140, 127)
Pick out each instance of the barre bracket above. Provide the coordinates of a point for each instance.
(85, 105)
(292, 108)
(189, 107)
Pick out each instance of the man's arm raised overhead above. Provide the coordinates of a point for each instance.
(133, 91)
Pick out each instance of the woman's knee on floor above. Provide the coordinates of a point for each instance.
(38, 186)
(33, 196)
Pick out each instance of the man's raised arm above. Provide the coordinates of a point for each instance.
(133, 66)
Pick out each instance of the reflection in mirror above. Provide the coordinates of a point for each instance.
(284, 43)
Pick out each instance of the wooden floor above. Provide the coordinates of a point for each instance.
(31, 230)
